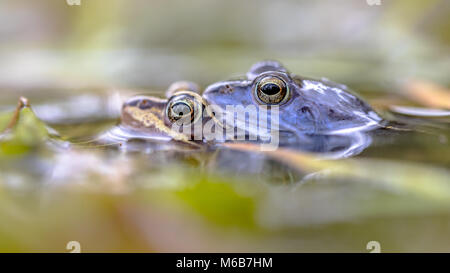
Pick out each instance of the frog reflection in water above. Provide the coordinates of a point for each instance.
(314, 115)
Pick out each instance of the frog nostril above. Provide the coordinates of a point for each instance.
(305, 109)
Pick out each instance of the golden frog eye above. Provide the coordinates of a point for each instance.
(184, 108)
(271, 90)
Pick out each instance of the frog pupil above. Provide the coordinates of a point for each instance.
(180, 109)
(270, 89)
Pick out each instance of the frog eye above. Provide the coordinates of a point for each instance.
(271, 90)
(183, 109)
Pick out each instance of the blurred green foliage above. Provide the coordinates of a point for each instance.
(219, 202)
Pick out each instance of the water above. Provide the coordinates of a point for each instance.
(75, 183)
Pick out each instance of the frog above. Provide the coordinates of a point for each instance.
(174, 118)
(310, 111)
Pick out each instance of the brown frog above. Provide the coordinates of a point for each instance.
(172, 118)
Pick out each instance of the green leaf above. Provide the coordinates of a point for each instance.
(22, 131)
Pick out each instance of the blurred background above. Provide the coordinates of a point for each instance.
(149, 44)
(70, 60)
